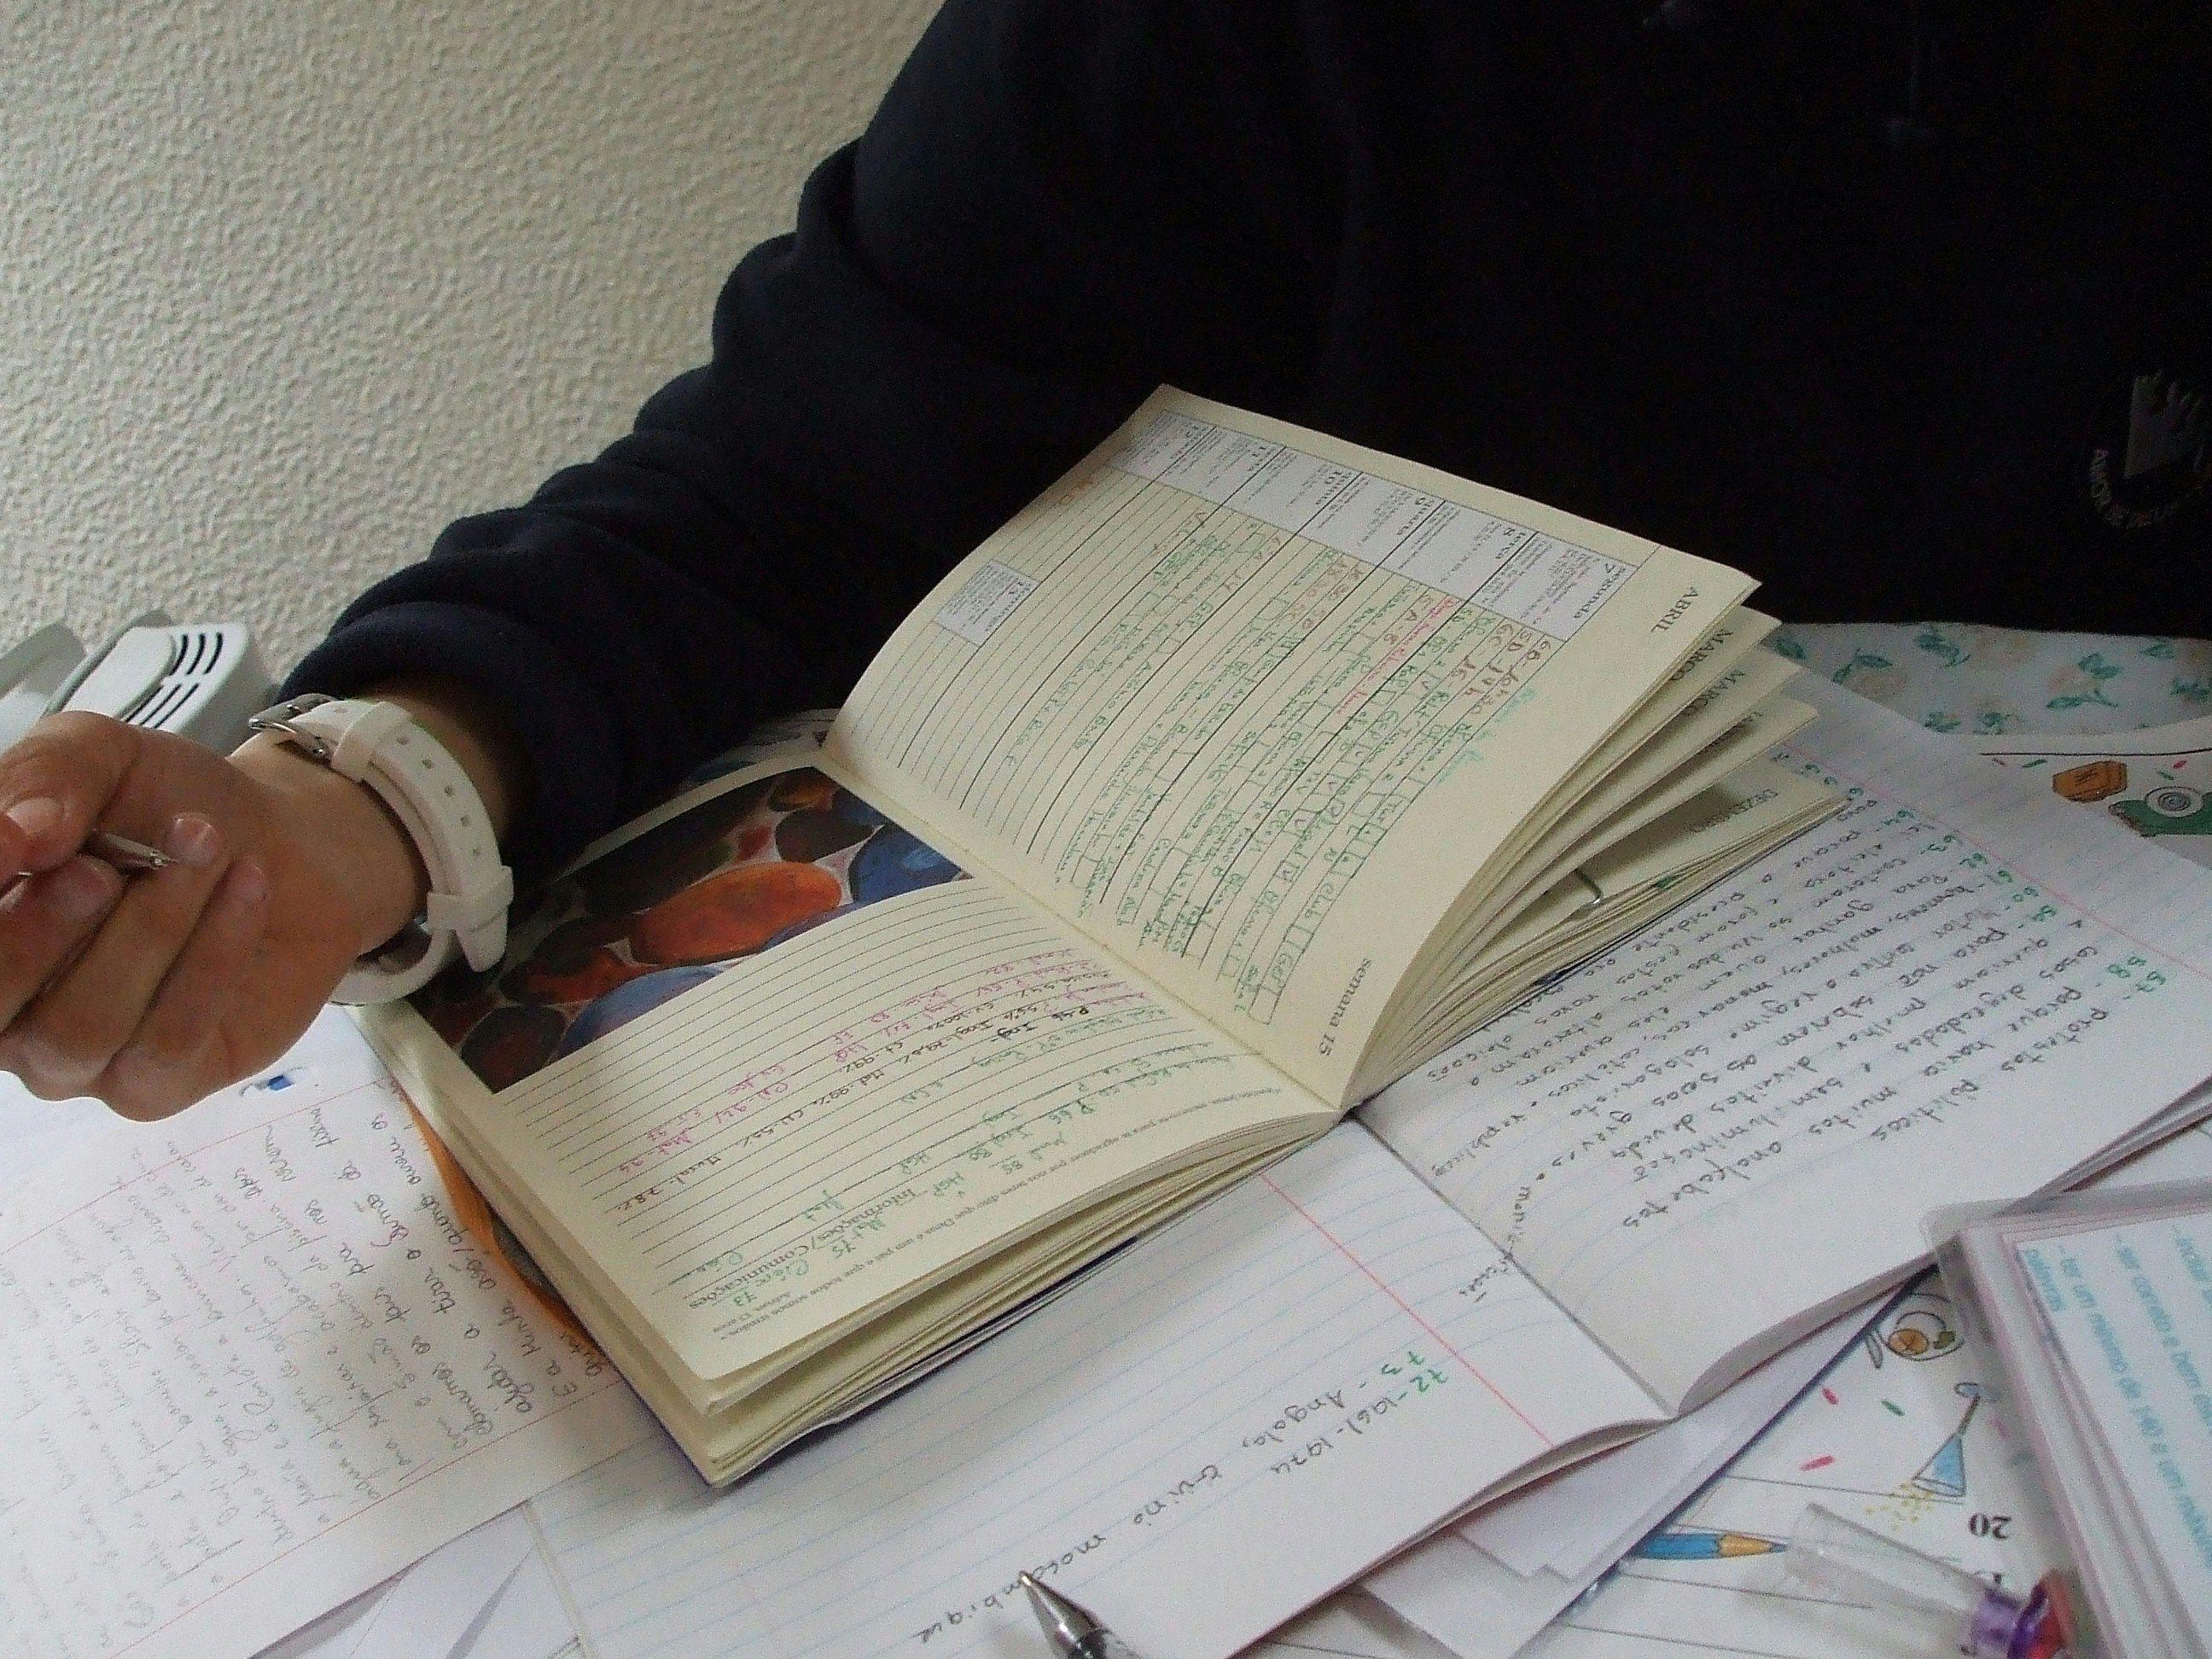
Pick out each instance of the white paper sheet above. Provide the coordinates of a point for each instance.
(250, 1366)
(436, 1604)
(1486, 1587)
(1158, 1441)
(1349, 1626)
(1592, 1512)
(486, 1595)
(527, 1619)
(1894, 1438)
(337, 1635)
(1921, 1002)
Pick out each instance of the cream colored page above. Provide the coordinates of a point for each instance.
(1252, 707)
(1670, 859)
(1724, 679)
(1584, 838)
(1721, 727)
(1748, 804)
(825, 1126)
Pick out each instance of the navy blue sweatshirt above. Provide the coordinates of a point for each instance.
(1900, 308)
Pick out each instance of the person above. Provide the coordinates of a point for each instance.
(1900, 306)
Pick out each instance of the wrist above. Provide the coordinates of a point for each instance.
(467, 887)
(375, 859)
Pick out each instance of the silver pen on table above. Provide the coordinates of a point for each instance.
(1073, 1633)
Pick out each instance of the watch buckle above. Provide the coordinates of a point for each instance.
(282, 717)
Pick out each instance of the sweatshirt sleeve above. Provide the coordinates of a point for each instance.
(1058, 206)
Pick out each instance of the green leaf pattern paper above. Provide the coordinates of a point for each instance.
(1987, 681)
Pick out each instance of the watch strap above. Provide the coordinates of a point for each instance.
(380, 745)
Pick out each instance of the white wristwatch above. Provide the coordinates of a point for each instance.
(380, 744)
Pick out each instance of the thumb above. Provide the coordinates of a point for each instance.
(53, 785)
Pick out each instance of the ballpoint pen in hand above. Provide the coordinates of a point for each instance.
(118, 852)
(1073, 1633)
(125, 853)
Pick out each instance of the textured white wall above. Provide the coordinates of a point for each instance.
(285, 285)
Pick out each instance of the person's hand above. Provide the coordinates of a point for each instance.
(153, 989)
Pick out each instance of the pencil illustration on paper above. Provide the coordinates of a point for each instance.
(2155, 781)
(1944, 1474)
(1704, 1544)
(1918, 1328)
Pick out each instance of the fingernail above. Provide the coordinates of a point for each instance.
(36, 816)
(249, 883)
(81, 889)
(191, 840)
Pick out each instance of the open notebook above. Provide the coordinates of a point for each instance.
(1234, 777)
(1959, 987)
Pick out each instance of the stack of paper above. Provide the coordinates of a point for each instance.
(1164, 1437)
(490, 1594)
(325, 1371)
(1334, 1339)
(1896, 1437)
(1487, 1586)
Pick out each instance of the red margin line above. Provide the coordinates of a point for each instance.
(1404, 1307)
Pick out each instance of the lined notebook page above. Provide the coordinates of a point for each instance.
(1229, 675)
(821, 1126)
(1959, 987)
(252, 1365)
(1327, 1339)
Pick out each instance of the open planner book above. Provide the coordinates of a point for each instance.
(1237, 776)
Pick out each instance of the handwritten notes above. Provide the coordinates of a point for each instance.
(814, 1130)
(1958, 988)
(1228, 674)
(1211, 816)
(251, 1365)
(1157, 1441)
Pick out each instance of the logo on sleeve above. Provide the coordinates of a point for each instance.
(2150, 452)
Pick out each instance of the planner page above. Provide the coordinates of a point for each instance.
(1959, 987)
(252, 1364)
(840, 1079)
(1327, 1339)
(1252, 707)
